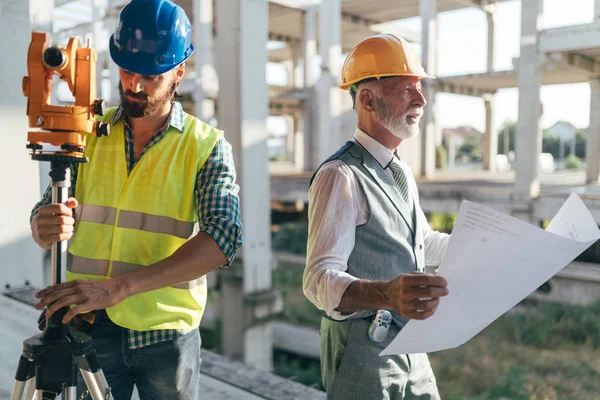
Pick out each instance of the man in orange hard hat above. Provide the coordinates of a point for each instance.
(368, 239)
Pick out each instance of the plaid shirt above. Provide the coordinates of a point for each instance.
(217, 203)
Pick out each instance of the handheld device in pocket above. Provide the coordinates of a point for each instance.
(380, 325)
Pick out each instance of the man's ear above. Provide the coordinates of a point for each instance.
(179, 72)
(366, 100)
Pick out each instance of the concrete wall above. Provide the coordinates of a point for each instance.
(20, 257)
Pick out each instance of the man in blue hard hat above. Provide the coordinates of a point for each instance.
(156, 209)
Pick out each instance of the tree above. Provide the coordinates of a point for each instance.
(580, 139)
(511, 128)
(551, 144)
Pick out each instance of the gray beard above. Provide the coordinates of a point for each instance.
(398, 126)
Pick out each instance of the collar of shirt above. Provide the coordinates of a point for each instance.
(175, 119)
(382, 154)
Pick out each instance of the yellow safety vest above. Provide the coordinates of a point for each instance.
(126, 222)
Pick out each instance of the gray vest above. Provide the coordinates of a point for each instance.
(391, 242)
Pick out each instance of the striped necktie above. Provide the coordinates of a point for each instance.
(401, 182)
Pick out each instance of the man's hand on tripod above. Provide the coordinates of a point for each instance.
(84, 295)
(53, 223)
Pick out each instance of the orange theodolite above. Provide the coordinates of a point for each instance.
(62, 126)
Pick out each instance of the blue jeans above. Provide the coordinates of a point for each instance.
(166, 370)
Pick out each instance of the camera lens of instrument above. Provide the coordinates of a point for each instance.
(54, 57)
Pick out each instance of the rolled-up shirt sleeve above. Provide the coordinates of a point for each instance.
(217, 200)
(333, 213)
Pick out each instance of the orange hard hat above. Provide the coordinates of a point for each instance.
(380, 56)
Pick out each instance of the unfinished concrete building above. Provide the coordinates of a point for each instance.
(226, 83)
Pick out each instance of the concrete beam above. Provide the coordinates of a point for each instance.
(428, 11)
(528, 138)
(472, 3)
(78, 30)
(242, 113)
(60, 3)
(283, 38)
(570, 38)
(575, 62)
(462, 89)
(592, 146)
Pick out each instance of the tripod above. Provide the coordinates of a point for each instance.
(51, 359)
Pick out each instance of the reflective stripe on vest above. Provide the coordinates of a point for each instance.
(89, 266)
(134, 220)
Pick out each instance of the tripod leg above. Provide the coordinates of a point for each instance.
(97, 385)
(70, 392)
(94, 378)
(27, 387)
(30, 389)
(23, 378)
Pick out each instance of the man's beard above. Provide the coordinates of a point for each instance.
(145, 107)
(397, 124)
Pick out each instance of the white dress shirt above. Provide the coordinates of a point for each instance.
(336, 206)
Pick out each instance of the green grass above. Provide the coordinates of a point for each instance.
(490, 368)
(297, 309)
(535, 352)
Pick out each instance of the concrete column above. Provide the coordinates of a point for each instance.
(98, 41)
(528, 136)
(328, 95)
(299, 135)
(290, 138)
(310, 159)
(202, 29)
(21, 257)
(592, 145)
(242, 112)
(490, 139)
(451, 152)
(561, 152)
(309, 47)
(289, 66)
(428, 11)
(298, 65)
(596, 10)
(490, 14)
(112, 98)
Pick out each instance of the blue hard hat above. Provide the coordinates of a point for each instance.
(152, 37)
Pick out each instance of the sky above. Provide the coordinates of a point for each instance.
(462, 49)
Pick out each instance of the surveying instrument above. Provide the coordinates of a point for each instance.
(51, 359)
